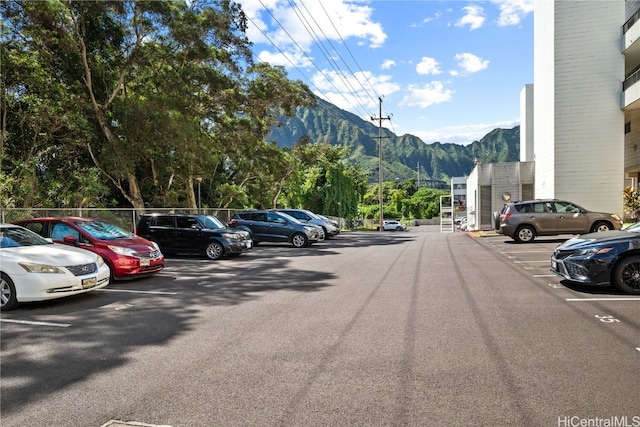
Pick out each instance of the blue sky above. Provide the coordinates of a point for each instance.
(447, 71)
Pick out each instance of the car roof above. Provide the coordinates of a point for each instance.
(172, 214)
(57, 218)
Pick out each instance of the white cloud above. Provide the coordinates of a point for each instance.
(428, 66)
(474, 17)
(284, 25)
(388, 63)
(426, 95)
(464, 134)
(351, 92)
(513, 11)
(471, 63)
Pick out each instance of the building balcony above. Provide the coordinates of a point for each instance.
(631, 51)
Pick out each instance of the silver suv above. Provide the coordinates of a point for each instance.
(523, 221)
(329, 227)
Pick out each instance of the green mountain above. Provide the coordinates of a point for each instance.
(401, 154)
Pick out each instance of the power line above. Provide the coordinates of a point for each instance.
(338, 91)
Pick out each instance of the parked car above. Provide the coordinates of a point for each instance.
(330, 228)
(271, 226)
(33, 268)
(128, 256)
(392, 225)
(523, 221)
(601, 259)
(193, 234)
(332, 221)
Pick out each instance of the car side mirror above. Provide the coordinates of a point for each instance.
(70, 240)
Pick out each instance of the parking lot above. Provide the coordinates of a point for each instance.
(416, 328)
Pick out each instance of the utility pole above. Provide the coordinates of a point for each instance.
(418, 175)
(380, 119)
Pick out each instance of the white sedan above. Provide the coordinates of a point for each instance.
(35, 269)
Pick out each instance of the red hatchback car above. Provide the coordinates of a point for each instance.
(127, 255)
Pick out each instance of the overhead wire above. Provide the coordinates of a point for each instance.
(344, 43)
(339, 73)
(303, 52)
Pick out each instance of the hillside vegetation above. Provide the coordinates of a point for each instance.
(401, 154)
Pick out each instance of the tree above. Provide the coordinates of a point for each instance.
(150, 93)
(631, 197)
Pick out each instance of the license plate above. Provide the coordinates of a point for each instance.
(248, 245)
(145, 262)
(89, 283)
(554, 264)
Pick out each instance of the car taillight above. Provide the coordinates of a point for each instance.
(504, 217)
(232, 223)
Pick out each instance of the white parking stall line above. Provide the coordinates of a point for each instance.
(531, 262)
(137, 292)
(638, 348)
(31, 322)
(506, 251)
(544, 275)
(603, 299)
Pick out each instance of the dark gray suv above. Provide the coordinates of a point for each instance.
(523, 221)
(271, 226)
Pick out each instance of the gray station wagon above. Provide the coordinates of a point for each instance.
(523, 221)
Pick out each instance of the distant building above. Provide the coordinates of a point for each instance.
(459, 196)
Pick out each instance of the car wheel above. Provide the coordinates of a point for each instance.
(326, 233)
(398, 228)
(214, 250)
(626, 275)
(525, 234)
(299, 240)
(600, 226)
(8, 298)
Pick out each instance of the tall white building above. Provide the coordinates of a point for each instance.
(580, 120)
(578, 134)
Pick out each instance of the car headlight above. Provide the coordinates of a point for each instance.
(122, 251)
(616, 217)
(99, 261)
(593, 251)
(33, 267)
(232, 236)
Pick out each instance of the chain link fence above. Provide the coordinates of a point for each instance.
(125, 218)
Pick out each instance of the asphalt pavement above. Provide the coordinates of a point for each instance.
(415, 328)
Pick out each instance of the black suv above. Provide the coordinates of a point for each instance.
(193, 234)
(271, 226)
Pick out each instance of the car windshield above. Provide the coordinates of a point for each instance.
(290, 218)
(211, 222)
(103, 230)
(312, 215)
(13, 237)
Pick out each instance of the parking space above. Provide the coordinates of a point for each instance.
(605, 306)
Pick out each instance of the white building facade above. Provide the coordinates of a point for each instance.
(580, 120)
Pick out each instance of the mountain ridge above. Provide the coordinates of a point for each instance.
(403, 156)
